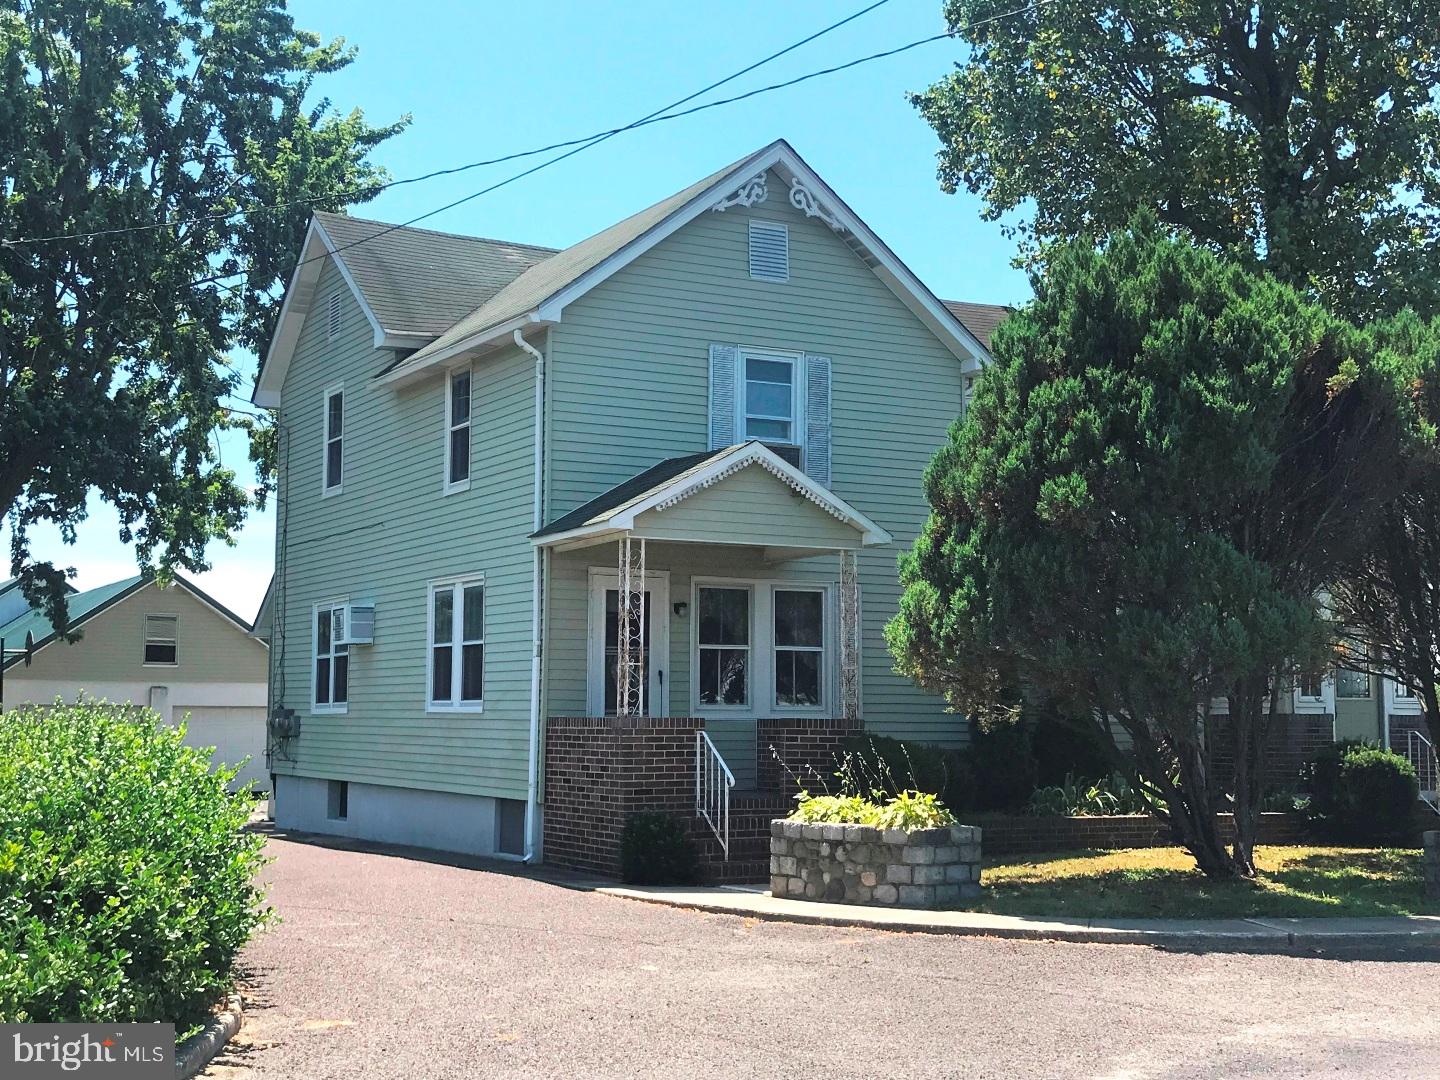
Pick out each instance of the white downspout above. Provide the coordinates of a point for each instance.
(533, 777)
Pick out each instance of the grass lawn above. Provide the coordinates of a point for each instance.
(1163, 883)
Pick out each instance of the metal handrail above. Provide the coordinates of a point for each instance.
(1421, 752)
(712, 798)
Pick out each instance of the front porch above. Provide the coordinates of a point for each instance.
(697, 615)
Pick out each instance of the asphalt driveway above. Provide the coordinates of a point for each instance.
(388, 966)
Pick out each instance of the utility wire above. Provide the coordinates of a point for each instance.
(374, 189)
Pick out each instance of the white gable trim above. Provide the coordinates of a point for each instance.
(298, 302)
(780, 156)
(725, 464)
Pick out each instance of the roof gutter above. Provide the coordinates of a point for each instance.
(412, 368)
(532, 782)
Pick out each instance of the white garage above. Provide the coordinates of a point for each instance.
(236, 732)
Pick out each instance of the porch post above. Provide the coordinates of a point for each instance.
(849, 637)
(630, 666)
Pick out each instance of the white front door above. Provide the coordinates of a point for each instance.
(604, 642)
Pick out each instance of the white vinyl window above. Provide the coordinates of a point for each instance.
(331, 675)
(724, 645)
(334, 465)
(771, 403)
(161, 639)
(1350, 684)
(456, 650)
(1403, 692)
(799, 642)
(457, 431)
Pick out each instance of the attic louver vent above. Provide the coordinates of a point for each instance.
(332, 317)
(769, 251)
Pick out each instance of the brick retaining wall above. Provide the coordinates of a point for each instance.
(1024, 835)
(599, 770)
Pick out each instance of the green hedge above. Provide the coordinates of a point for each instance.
(1363, 795)
(656, 849)
(127, 887)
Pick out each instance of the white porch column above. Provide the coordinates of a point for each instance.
(849, 637)
(630, 665)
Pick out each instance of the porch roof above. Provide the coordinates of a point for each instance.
(673, 481)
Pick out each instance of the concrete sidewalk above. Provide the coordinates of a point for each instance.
(1246, 935)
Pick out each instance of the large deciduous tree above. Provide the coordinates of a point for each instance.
(1167, 459)
(148, 123)
(1302, 133)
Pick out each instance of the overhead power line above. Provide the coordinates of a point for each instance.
(374, 189)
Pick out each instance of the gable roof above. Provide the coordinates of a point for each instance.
(417, 281)
(434, 295)
(85, 606)
(980, 319)
(542, 292)
(677, 478)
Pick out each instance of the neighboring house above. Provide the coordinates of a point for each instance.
(718, 411)
(174, 649)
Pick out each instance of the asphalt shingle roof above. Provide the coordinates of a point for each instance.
(418, 281)
(628, 490)
(980, 319)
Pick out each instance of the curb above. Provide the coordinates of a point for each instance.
(204, 1046)
(1241, 935)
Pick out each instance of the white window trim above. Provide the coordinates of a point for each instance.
(146, 642)
(457, 642)
(447, 487)
(658, 691)
(762, 650)
(796, 360)
(1325, 703)
(326, 439)
(1397, 704)
(828, 641)
(327, 708)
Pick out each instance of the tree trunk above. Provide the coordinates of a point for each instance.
(1251, 723)
(1192, 815)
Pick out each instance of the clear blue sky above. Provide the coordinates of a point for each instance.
(481, 80)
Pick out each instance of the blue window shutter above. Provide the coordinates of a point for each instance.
(817, 418)
(724, 365)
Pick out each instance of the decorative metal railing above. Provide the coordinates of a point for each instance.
(713, 781)
(1421, 752)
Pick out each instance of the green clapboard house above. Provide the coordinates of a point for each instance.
(566, 534)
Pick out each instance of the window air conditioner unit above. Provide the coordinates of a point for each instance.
(786, 452)
(353, 624)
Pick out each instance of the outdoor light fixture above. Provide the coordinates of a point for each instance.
(681, 607)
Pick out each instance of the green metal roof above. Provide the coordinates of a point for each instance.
(83, 606)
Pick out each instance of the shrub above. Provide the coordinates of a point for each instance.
(1083, 798)
(656, 849)
(906, 810)
(1002, 762)
(1377, 797)
(1065, 748)
(1321, 779)
(874, 764)
(127, 886)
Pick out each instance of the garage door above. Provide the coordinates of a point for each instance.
(236, 732)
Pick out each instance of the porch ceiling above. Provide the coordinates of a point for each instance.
(742, 495)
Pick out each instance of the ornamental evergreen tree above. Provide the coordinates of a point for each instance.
(149, 123)
(1168, 459)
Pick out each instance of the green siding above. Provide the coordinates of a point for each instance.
(629, 372)
(753, 507)
(383, 539)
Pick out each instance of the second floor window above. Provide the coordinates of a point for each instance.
(334, 439)
(160, 639)
(457, 427)
(770, 398)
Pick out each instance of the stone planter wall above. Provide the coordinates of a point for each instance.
(859, 864)
(1431, 843)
